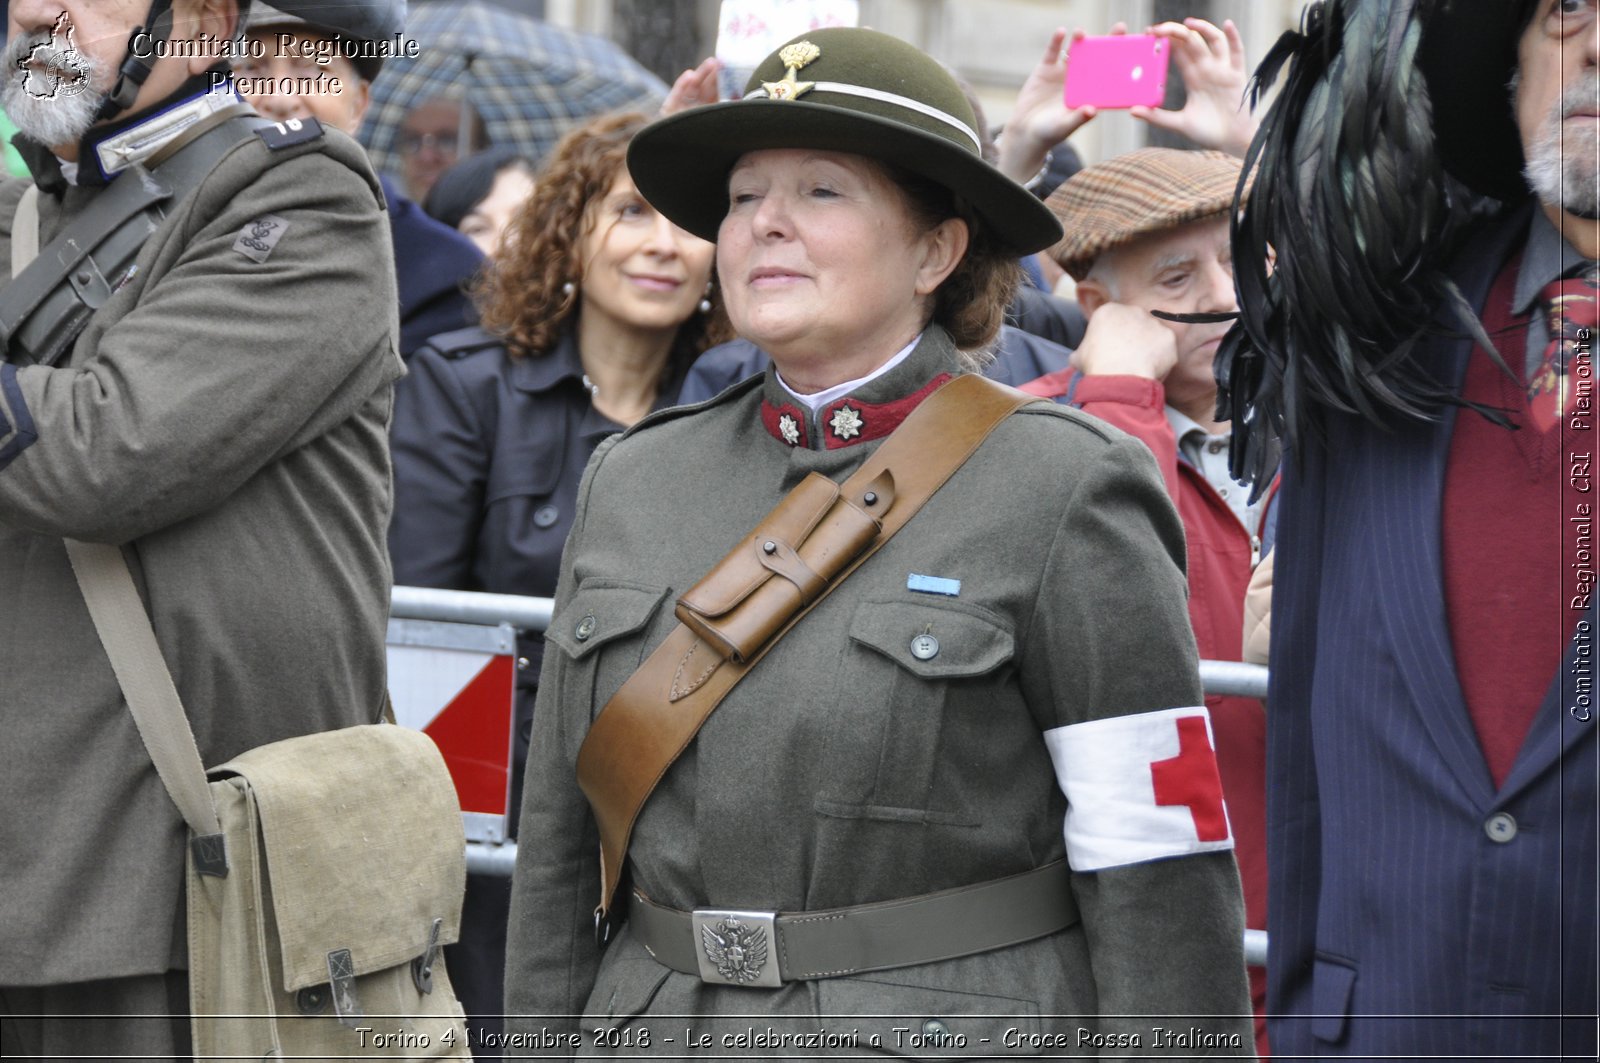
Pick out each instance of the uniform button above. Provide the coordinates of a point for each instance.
(585, 627)
(924, 647)
(1223, 491)
(1500, 827)
(545, 516)
(935, 1028)
(1215, 446)
(522, 664)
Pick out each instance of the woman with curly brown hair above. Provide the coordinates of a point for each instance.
(591, 313)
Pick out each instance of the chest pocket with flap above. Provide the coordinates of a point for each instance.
(915, 682)
(947, 640)
(602, 631)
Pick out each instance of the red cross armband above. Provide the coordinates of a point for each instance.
(1139, 787)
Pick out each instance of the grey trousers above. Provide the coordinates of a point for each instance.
(142, 1018)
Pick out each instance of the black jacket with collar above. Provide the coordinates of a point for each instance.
(488, 452)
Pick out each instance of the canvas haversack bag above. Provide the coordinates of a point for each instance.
(325, 872)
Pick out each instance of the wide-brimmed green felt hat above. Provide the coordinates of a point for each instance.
(836, 89)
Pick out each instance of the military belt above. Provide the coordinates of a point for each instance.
(765, 950)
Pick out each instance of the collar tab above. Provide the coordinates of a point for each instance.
(136, 143)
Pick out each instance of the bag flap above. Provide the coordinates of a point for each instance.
(737, 575)
(361, 831)
(934, 639)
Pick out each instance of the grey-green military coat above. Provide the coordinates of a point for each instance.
(844, 770)
(225, 421)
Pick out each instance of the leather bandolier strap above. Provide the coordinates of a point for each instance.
(46, 306)
(811, 541)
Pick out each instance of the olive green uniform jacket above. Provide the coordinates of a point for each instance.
(224, 420)
(845, 770)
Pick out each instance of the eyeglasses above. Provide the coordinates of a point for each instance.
(413, 143)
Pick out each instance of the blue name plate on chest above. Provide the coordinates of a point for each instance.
(933, 585)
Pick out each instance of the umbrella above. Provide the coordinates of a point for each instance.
(530, 81)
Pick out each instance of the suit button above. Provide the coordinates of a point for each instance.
(585, 628)
(522, 664)
(1500, 827)
(924, 647)
(936, 1029)
(545, 516)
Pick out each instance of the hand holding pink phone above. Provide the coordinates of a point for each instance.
(1120, 71)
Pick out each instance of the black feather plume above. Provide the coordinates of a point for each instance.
(1347, 190)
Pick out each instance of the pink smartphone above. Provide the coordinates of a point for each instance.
(1128, 70)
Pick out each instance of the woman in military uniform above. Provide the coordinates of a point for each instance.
(967, 804)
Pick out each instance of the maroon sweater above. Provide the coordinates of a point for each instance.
(1516, 520)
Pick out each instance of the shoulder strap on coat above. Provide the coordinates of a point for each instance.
(45, 307)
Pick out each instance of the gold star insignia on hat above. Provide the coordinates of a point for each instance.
(794, 57)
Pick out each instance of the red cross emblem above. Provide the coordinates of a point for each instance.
(1191, 779)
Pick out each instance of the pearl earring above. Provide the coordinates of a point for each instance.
(705, 300)
(568, 288)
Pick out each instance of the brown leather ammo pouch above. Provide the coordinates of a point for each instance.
(783, 565)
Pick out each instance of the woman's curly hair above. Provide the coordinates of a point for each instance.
(523, 296)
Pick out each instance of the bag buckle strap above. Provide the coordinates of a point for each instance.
(422, 966)
(210, 854)
(738, 948)
(342, 983)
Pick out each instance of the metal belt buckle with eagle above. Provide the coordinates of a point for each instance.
(737, 948)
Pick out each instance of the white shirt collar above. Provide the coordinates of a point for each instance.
(820, 399)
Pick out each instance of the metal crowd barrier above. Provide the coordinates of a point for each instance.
(533, 614)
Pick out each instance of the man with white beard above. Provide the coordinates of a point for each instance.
(1432, 761)
(198, 367)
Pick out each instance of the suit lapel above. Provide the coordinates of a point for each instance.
(1407, 469)
(1410, 585)
(1565, 715)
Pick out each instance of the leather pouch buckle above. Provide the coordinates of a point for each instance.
(737, 948)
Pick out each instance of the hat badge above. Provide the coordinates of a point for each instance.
(793, 56)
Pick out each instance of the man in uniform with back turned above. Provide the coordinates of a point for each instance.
(198, 368)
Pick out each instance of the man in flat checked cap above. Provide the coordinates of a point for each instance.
(1432, 758)
(1146, 231)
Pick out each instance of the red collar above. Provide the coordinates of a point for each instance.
(844, 422)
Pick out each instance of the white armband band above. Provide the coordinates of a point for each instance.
(1139, 787)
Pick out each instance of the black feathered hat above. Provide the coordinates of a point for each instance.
(1468, 53)
(1390, 111)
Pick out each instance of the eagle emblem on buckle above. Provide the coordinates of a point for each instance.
(738, 952)
(793, 56)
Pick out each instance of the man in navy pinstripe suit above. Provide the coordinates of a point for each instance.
(1432, 750)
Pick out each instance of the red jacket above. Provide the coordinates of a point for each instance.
(1221, 556)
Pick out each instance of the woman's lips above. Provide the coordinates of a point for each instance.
(655, 284)
(773, 277)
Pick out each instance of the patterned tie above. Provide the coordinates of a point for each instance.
(1569, 308)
